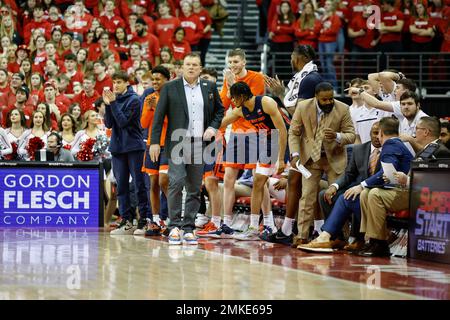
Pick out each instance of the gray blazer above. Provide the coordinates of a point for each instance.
(173, 104)
(357, 169)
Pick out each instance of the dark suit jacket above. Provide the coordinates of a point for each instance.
(173, 104)
(393, 151)
(357, 169)
(434, 152)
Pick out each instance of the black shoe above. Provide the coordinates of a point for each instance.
(142, 223)
(376, 249)
(280, 237)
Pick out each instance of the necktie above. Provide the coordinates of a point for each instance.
(374, 157)
(315, 154)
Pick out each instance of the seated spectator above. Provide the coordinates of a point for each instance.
(55, 145)
(445, 133)
(377, 202)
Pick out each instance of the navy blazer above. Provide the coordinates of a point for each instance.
(393, 151)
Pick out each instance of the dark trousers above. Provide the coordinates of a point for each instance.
(124, 165)
(342, 211)
(203, 47)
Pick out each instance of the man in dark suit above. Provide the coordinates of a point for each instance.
(363, 163)
(194, 111)
(393, 151)
(376, 202)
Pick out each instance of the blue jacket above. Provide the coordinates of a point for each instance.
(393, 151)
(123, 116)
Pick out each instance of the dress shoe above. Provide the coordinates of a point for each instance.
(298, 241)
(376, 249)
(355, 246)
(316, 246)
(338, 244)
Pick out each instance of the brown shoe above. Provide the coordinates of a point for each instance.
(338, 244)
(297, 241)
(354, 246)
(316, 246)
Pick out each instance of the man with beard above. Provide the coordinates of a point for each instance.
(149, 42)
(320, 129)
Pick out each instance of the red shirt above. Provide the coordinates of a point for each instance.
(329, 29)
(44, 26)
(86, 103)
(307, 36)
(63, 103)
(77, 77)
(164, 29)
(112, 23)
(390, 19)
(193, 28)
(422, 24)
(358, 23)
(205, 18)
(150, 46)
(106, 82)
(95, 52)
(274, 8)
(283, 30)
(180, 49)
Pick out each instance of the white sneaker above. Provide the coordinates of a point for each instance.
(201, 220)
(175, 236)
(252, 234)
(190, 238)
(141, 229)
(125, 228)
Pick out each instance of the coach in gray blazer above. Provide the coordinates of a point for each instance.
(194, 112)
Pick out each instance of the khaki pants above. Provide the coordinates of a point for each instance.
(375, 204)
(310, 191)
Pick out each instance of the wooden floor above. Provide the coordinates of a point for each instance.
(91, 264)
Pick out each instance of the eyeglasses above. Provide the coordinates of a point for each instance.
(4, 12)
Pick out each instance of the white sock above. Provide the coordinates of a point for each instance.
(227, 219)
(156, 218)
(268, 219)
(323, 237)
(318, 225)
(216, 221)
(286, 228)
(254, 221)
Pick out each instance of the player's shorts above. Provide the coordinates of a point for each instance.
(241, 151)
(155, 168)
(216, 169)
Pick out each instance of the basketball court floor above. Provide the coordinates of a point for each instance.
(92, 264)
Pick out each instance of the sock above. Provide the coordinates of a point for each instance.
(227, 219)
(254, 221)
(156, 218)
(318, 225)
(268, 219)
(323, 237)
(216, 221)
(286, 228)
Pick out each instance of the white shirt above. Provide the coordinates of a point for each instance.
(195, 104)
(364, 120)
(405, 126)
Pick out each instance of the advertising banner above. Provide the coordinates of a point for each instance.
(429, 232)
(50, 196)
